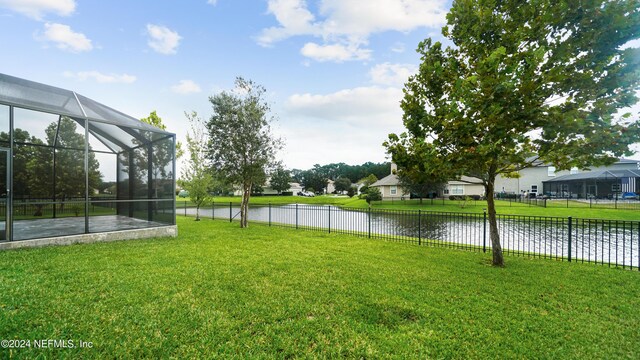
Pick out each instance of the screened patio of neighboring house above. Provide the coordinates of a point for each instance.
(70, 165)
(604, 184)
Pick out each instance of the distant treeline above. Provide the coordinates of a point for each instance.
(335, 171)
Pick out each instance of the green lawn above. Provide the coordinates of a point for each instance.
(264, 292)
(502, 207)
(507, 208)
(284, 200)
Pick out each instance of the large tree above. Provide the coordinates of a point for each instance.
(342, 184)
(417, 179)
(314, 179)
(197, 177)
(241, 144)
(525, 81)
(280, 180)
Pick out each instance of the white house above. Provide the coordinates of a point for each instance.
(466, 186)
(532, 180)
(390, 186)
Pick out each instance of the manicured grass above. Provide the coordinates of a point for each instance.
(264, 292)
(507, 208)
(502, 207)
(284, 200)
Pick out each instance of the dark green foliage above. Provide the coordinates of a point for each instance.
(373, 194)
(313, 179)
(241, 145)
(280, 180)
(352, 172)
(351, 192)
(342, 184)
(526, 81)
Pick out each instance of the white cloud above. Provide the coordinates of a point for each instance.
(66, 39)
(323, 128)
(391, 74)
(162, 39)
(631, 44)
(362, 106)
(100, 77)
(36, 9)
(398, 48)
(335, 52)
(350, 22)
(294, 18)
(186, 87)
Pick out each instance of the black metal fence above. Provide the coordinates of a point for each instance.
(592, 203)
(515, 201)
(607, 242)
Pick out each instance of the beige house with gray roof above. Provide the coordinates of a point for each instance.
(390, 186)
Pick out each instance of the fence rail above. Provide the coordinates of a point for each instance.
(607, 242)
(515, 201)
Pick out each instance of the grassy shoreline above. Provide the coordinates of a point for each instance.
(477, 207)
(218, 290)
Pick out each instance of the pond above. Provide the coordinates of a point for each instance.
(589, 240)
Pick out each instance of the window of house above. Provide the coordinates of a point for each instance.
(534, 188)
(394, 190)
(615, 187)
(456, 189)
(551, 171)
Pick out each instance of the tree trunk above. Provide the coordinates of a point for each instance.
(244, 206)
(494, 235)
(198, 212)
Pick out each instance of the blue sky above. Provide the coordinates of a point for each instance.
(333, 69)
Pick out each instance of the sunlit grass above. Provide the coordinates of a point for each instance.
(557, 208)
(218, 290)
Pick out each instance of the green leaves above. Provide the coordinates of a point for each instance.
(541, 78)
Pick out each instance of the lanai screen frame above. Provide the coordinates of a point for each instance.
(95, 119)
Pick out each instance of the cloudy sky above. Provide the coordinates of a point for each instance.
(333, 69)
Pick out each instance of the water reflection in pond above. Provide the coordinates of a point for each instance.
(600, 241)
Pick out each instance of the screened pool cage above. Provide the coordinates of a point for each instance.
(70, 165)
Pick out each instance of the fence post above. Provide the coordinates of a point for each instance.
(570, 225)
(213, 210)
(484, 230)
(269, 213)
(296, 215)
(419, 227)
(230, 212)
(329, 219)
(369, 217)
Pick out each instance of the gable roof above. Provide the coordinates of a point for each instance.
(389, 180)
(600, 175)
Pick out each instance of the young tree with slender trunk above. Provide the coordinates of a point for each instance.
(196, 175)
(241, 145)
(525, 81)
